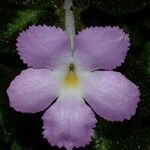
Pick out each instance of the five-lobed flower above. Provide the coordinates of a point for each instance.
(72, 79)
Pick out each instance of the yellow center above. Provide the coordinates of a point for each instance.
(71, 80)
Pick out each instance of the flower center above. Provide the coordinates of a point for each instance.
(71, 80)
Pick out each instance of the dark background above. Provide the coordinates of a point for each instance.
(23, 131)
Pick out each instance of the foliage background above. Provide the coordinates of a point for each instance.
(23, 131)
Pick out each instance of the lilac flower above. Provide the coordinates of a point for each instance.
(73, 79)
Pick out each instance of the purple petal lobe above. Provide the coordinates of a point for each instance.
(43, 46)
(101, 47)
(33, 90)
(69, 122)
(111, 95)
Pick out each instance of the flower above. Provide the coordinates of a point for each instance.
(72, 79)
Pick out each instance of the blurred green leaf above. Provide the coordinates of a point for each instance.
(23, 18)
(15, 146)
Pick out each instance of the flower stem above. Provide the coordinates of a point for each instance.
(69, 22)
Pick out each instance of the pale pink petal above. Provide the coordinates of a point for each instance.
(69, 123)
(33, 90)
(43, 46)
(111, 95)
(101, 47)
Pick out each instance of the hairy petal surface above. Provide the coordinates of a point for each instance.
(43, 46)
(101, 47)
(33, 90)
(111, 95)
(69, 122)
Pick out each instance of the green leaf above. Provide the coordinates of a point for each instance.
(29, 16)
(15, 146)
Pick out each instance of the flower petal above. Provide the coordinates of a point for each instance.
(101, 47)
(33, 90)
(111, 95)
(43, 46)
(69, 122)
